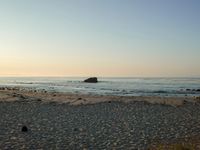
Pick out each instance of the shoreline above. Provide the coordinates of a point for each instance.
(16, 94)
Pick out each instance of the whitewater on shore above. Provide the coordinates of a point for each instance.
(176, 87)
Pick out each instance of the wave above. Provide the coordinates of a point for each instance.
(161, 91)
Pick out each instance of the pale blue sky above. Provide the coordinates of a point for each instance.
(99, 37)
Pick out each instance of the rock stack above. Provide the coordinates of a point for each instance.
(91, 80)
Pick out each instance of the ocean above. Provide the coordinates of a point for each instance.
(109, 86)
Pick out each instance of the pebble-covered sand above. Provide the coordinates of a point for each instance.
(107, 125)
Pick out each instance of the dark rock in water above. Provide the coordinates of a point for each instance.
(109, 101)
(198, 90)
(24, 129)
(91, 80)
(188, 89)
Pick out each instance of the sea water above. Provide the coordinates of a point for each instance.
(109, 86)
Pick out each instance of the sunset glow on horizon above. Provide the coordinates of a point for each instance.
(138, 38)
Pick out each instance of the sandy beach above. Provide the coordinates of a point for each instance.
(70, 121)
(100, 75)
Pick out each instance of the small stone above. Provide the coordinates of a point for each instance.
(24, 129)
(13, 138)
(51, 129)
(115, 144)
(22, 97)
(2, 88)
(14, 95)
(12, 131)
(197, 98)
(75, 129)
(23, 147)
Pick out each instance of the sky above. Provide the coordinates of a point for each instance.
(126, 38)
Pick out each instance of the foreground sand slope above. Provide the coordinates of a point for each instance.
(70, 121)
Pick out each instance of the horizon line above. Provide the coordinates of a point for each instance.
(99, 76)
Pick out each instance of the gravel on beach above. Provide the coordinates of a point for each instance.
(108, 125)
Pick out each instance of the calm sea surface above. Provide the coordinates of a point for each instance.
(111, 86)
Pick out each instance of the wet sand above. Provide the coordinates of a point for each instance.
(69, 121)
(15, 94)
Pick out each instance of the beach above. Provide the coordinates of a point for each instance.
(100, 75)
(73, 121)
